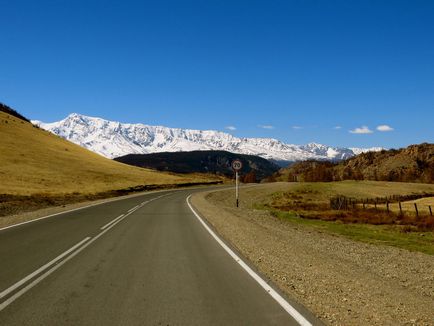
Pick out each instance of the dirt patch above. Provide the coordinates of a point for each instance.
(343, 282)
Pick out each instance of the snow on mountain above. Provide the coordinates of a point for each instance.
(114, 139)
(358, 151)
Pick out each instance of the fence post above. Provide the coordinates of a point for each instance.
(375, 203)
(400, 208)
(417, 211)
(364, 204)
(430, 210)
(387, 205)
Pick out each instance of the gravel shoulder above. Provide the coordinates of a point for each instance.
(343, 282)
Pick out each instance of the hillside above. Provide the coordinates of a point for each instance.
(412, 164)
(217, 162)
(34, 161)
(6, 109)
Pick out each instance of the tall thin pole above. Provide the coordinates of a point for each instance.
(236, 186)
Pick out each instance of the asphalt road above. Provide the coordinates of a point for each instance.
(145, 260)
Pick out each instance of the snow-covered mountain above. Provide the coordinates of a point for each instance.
(114, 139)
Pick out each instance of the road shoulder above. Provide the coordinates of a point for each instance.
(341, 281)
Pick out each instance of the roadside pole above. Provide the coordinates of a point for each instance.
(236, 187)
(237, 165)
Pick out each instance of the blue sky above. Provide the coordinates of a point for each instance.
(300, 71)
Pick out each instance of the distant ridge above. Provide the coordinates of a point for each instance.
(412, 164)
(115, 139)
(216, 162)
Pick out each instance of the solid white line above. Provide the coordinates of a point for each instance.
(88, 206)
(41, 269)
(18, 294)
(112, 221)
(44, 217)
(276, 296)
(70, 251)
(133, 209)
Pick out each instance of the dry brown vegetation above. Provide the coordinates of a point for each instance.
(412, 164)
(36, 163)
(312, 201)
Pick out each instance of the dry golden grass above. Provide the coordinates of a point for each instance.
(321, 192)
(35, 161)
(311, 200)
(408, 206)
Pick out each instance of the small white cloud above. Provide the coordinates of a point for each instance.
(266, 127)
(297, 127)
(337, 128)
(361, 130)
(384, 128)
(231, 128)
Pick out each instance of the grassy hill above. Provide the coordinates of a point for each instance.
(216, 162)
(412, 164)
(9, 110)
(34, 161)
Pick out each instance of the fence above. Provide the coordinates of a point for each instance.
(384, 203)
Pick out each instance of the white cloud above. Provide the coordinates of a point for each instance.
(361, 130)
(384, 128)
(266, 127)
(297, 127)
(337, 127)
(231, 128)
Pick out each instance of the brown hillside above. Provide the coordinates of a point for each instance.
(35, 161)
(6, 109)
(412, 164)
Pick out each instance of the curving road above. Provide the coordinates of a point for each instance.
(144, 260)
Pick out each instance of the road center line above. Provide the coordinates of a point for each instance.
(81, 246)
(112, 221)
(41, 269)
(132, 209)
(276, 296)
(21, 292)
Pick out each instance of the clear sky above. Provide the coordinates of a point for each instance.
(300, 71)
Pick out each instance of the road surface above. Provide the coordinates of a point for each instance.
(145, 260)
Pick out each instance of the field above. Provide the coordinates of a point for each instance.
(308, 204)
(36, 163)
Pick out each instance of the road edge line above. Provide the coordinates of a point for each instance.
(109, 200)
(273, 293)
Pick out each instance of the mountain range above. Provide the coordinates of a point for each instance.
(114, 139)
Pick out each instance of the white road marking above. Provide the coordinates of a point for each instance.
(88, 206)
(133, 209)
(112, 221)
(276, 296)
(18, 294)
(69, 252)
(41, 269)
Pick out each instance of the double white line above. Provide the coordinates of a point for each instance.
(60, 260)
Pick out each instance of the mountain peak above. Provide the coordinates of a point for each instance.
(114, 139)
